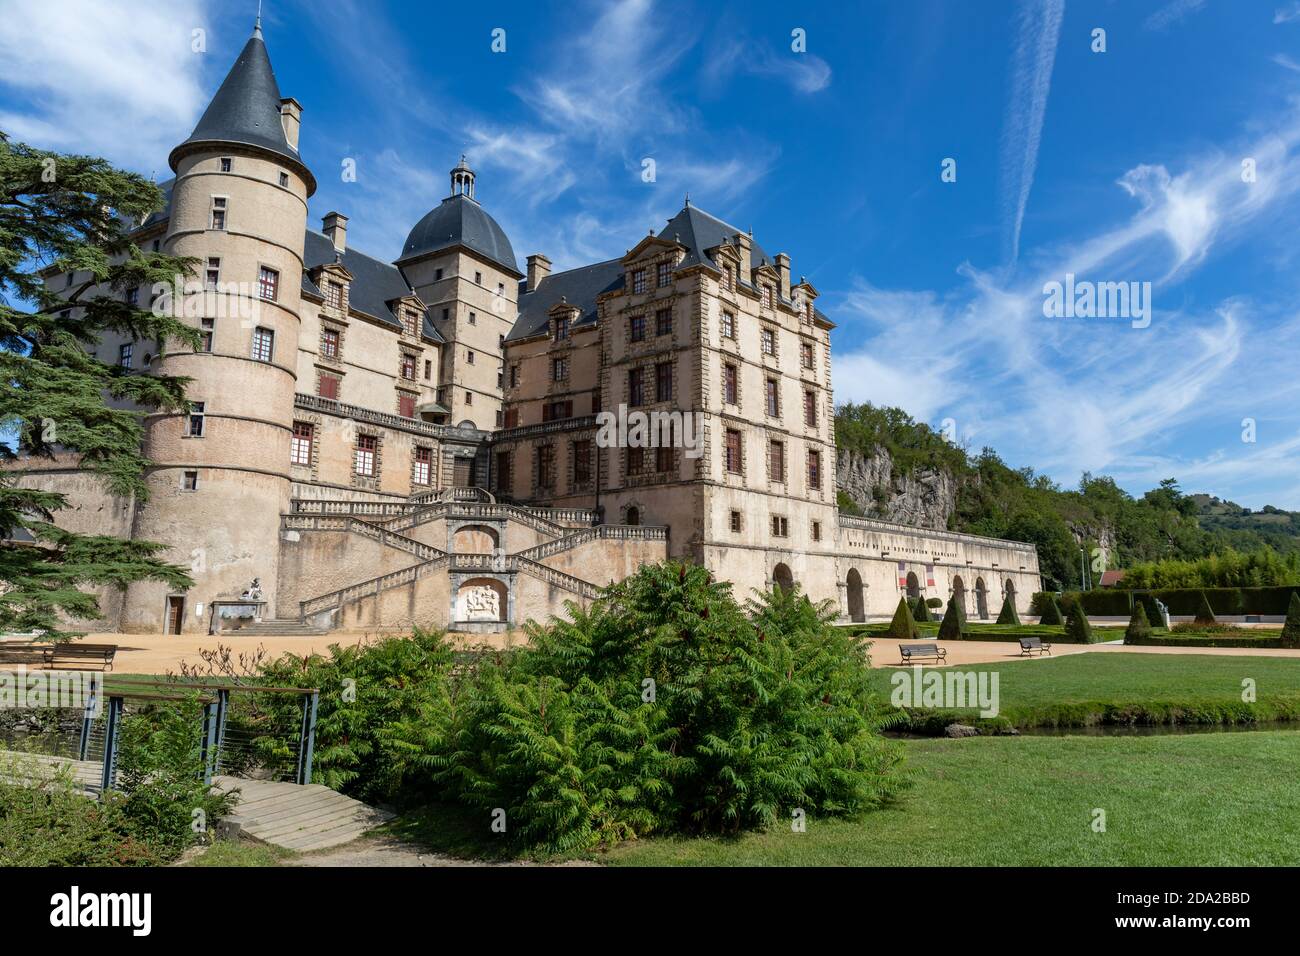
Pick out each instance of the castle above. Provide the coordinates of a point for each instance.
(425, 442)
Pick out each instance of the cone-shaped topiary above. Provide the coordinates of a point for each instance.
(1204, 613)
(1077, 628)
(1051, 613)
(1008, 613)
(1148, 602)
(953, 625)
(903, 626)
(1138, 625)
(922, 612)
(1291, 629)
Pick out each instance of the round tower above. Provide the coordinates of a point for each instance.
(220, 475)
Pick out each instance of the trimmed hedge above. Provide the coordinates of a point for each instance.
(1180, 601)
(1166, 639)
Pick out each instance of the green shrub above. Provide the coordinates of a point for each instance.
(1077, 628)
(1204, 614)
(1291, 629)
(1049, 611)
(903, 626)
(953, 625)
(1008, 613)
(933, 602)
(922, 615)
(1138, 626)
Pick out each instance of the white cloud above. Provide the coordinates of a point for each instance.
(1036, 37)
(88, 74)
(732, 54)
(1284, 61)
(1171, 13)
(1287, 14)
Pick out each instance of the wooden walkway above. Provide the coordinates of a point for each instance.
(301, 818)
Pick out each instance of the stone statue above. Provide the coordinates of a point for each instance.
(254, 592)
(482, 603)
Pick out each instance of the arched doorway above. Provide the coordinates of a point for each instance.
(783, 579)
(633, 515)
(982, 599)
(857, 605)
(913, 585)
(959, 592)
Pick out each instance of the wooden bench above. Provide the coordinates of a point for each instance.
(912, 651)
(73, 655)
(1030, 644)
(23, 654)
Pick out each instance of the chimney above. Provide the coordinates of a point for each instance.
(744, 245)
(783, 270)
(539, 267)
(335, 227)
(291, 120)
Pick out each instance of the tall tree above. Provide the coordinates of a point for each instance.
(72, 215)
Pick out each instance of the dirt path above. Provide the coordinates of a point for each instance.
(388, 851)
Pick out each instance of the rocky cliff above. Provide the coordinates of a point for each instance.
(923, 498)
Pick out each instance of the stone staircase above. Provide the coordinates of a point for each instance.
(279, 628)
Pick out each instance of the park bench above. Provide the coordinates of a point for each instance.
(1030, 644)
(913, 651)
(78, 656)
(23, 654)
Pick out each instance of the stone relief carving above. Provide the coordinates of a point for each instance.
(482, 603)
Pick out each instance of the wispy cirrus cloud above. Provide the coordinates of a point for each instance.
(1171, 13)
(1287, 14)
(87, 74)
(1071, 395)
(1037, 30)
(735, 54)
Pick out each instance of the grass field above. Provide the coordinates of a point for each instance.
(1087, 689)
(1199, 800)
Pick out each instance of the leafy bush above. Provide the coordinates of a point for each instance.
(933, 602)
(1291, 629)
(49, 823)
(1008, 613)
(1138, 626)
(903, 626)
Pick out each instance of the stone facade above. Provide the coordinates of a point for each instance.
(425, 442)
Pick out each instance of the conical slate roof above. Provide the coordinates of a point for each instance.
(246, 109)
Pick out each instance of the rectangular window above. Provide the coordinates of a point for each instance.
(634, 386)
(207, 328)
(735, 521)
(190, 481)
(469, 357)
(446, 314)
(728, 325)
(635, 460)
(124, 353)
(406, 406)
(555, 411)
(664, 322)
(225, 164)
(773, 399)
(728, 278)
(408, 366)
(329, 343)
(478, 278)
(766, 296)
(334, 294)
(422, 467)
(411, 322)
(663, 459)
(428, 370)
(582, 462)
(815, 470)
(329, 386)
(806, 354)
(638, 281)
(664, 382)
(514, 376)
(733, 452)
(637, 328)
(196, 420)
(559, 370)
(780, 527)
(300, 445)
(664, 274)
(810, 408)
(768, 339)
(133, 296)
(546, 466)
(473, 318)
(776, 461)
(263, 344)
(284, 180)
(816, 530)
(561, 329)
(268, 284)
(730, 384)
(511, 418)
(367, 446)
(218, 212)
(212, 277)
(469, 398)
(504, 472)
(437, 275)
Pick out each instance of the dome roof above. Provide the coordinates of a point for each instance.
(460, 221)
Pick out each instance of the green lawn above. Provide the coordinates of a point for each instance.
(1195, 800)
(1085, 689)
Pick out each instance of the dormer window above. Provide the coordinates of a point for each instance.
(638, 281)
(728, 278)
(408, 322)
(561, 328)
(766, 296)
(665, 274)
(334, 294)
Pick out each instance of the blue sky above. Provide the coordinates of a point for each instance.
(1123, 165)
